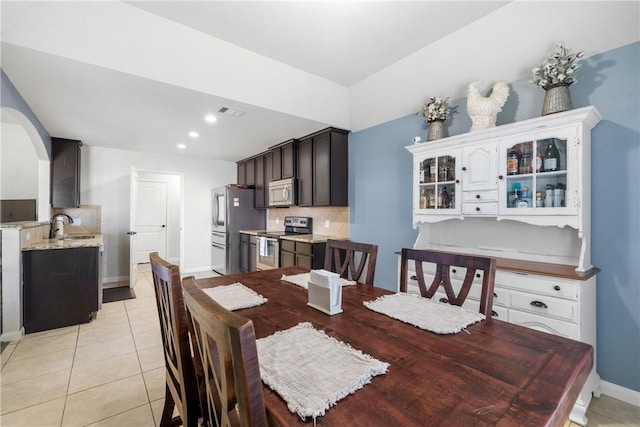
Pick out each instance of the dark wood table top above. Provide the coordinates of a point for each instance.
(496, 374)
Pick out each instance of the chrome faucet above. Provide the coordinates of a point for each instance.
(54, 219)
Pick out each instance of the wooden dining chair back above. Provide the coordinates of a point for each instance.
(227, 348)
(444, 262)
(350, 259)
(181, 390)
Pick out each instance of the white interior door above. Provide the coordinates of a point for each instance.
(133, 239)
(148, 226)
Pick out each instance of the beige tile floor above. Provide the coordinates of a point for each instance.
(110, 372)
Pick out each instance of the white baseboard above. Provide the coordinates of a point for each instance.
(196, 270)
(115, 279)
(621, 393)
(12, 335)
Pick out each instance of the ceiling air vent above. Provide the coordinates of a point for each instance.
(231, 111)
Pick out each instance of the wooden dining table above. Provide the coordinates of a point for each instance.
(492, 373)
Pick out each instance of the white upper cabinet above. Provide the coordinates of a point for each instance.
(498, 172)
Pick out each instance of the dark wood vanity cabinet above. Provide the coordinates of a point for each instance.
(60, 287)
(65, 173)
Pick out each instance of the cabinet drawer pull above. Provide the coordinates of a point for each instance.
(539, 304)
(478, 276)
(444, 300)
(478, 209)
(414, 277)
(464, 168)
(495, 295)
(494, 313)
(453, 271)
(500, 177)
(477, 196)
(556, 287)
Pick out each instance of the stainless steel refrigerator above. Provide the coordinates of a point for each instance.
(232, 211)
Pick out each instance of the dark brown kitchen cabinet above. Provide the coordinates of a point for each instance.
(250, 172)
(305, 172)
(303, 254)
(60, 287)
(323, 169)
(261, 189)
(248, 253)
(242, 173)
(282, 161)
(65, 173)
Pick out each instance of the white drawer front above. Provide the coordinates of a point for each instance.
(497, 311)
(500, 296)
(544, 324)
(546, 286)
(545, 306)
(480, 196)
(480, 208)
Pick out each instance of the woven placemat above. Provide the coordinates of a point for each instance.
(312, 371)
(424, 313)
(235, 296)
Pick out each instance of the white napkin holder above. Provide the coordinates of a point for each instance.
(325, 292)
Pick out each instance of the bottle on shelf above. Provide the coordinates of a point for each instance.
(537, 164)
(525, 159)
(514, 195)
(512, 162)
(539, 203)
(422, 179)
(524, 201)
(446, 201)
(551, 157)
(548, 200)
(432, 170)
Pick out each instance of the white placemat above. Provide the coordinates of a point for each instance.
(424, 313)
(235, 296)
(303, 280)
(312, 371)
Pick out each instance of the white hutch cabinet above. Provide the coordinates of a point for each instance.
(469, 197)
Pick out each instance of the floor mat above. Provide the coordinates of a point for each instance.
(117, 294)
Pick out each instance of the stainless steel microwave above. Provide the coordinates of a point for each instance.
(282, 192)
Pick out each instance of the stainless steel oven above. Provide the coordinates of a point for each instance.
(267, 253)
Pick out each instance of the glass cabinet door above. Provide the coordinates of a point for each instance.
(535, 175)
(437, 184)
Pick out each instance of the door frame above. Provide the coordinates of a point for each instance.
(135, 177)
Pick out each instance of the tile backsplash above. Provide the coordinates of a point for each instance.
(89, 216)
(327, 221)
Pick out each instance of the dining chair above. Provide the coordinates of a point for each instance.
(181, 389)
(444, 261)
(349, 259)
(227, 348)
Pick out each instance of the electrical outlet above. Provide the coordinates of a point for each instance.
(76, 222)
(326, 223)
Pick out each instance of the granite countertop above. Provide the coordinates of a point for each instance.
(252, 232)
(66, 242)
(311, 238)
(23, 224)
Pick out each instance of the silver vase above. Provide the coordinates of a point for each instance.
(436, 130)
(556, 99)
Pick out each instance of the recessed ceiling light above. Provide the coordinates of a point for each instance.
(211, 118)
(194, 134)
(182, 146)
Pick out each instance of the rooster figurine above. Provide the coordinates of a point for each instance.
(484, 110)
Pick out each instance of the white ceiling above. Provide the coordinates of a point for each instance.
(141, 75)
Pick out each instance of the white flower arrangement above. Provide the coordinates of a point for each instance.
(558, 68)
(435, 109)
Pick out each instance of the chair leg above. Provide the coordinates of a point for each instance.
(167, 411)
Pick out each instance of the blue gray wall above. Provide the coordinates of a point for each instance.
(11, 98)
(380, 194)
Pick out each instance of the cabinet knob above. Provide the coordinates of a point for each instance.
(539, 304)
(414, 277)
(478, 209)
(500, 177)
(477, 196)
(464, 168)
(556, 287)
(453, 271)
(457, 181)
(494, 313)
(478, 275)
(444, 300)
